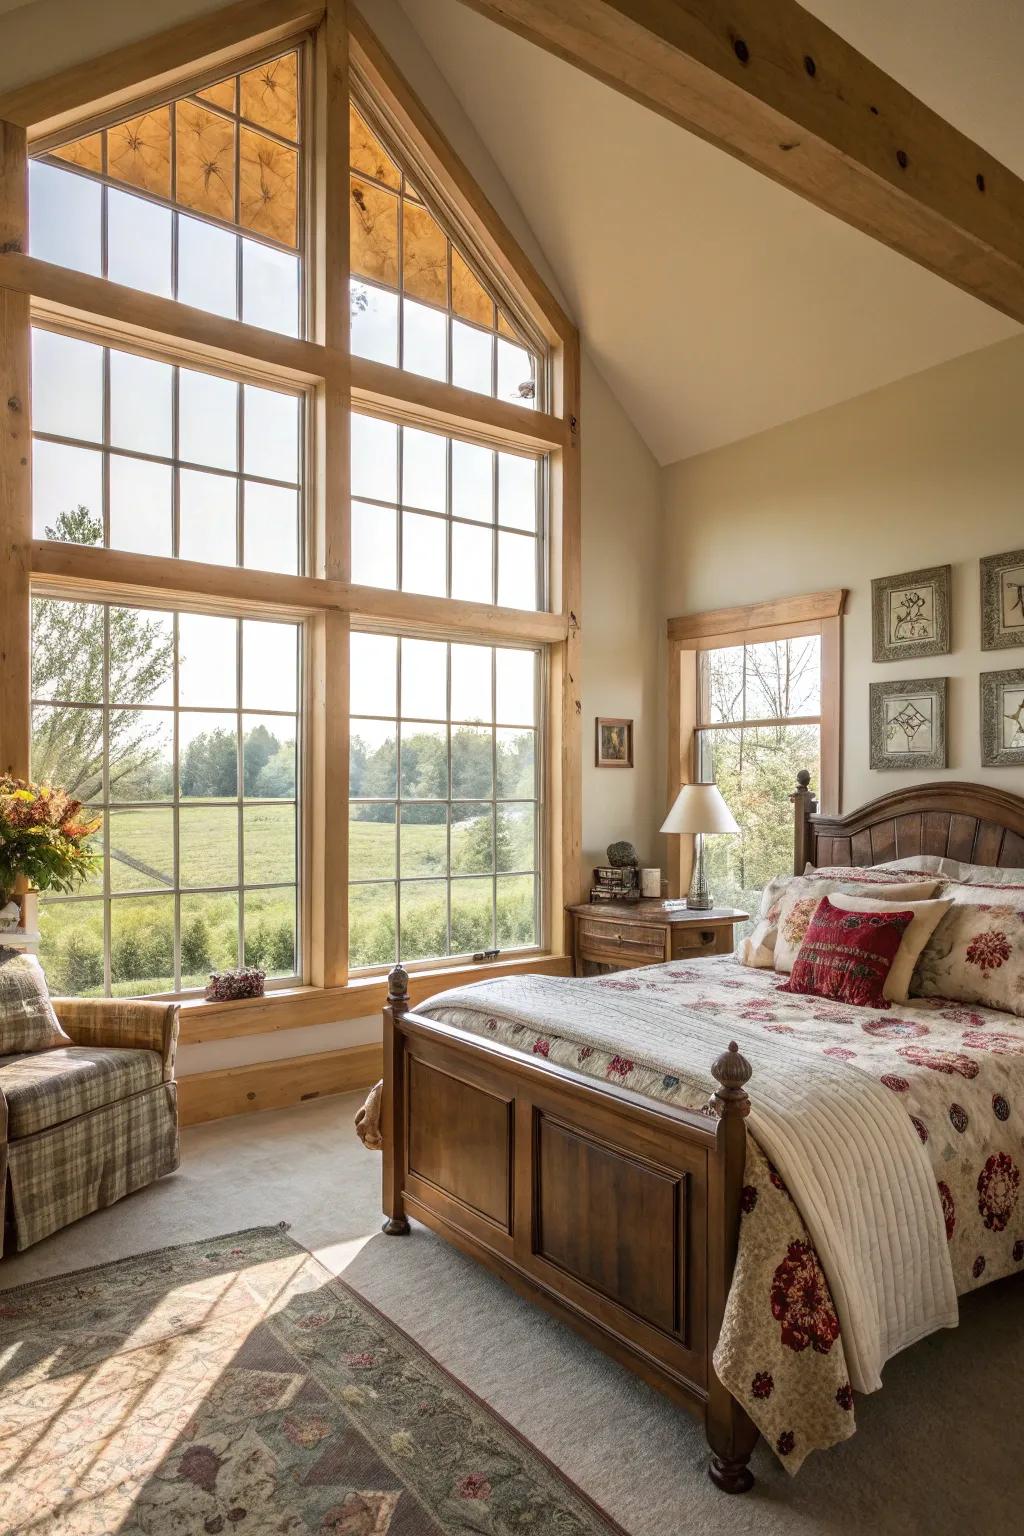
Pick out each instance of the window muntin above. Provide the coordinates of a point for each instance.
(444, 818)
(759, 723)
(160, 459)
(198, 199)
(437, 515)
(416, 303)
(183, 730)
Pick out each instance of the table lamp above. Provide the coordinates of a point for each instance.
(699, 808)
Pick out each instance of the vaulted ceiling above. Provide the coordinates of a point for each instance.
(716, 303)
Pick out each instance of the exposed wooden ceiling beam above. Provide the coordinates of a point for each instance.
(770, 84)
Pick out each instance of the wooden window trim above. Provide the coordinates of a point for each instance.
(37, 291)
(299, 1007)
(815, 613)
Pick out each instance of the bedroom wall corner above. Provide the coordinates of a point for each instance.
(925, 471)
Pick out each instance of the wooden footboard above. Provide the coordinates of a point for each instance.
(619, 1215)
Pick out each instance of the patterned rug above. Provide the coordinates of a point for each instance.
(233, 1386)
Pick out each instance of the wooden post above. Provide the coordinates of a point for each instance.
(392, 1120)
(730, 1432)
(15, 466)
(804, 807)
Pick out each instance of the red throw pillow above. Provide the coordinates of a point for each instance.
(847, 956)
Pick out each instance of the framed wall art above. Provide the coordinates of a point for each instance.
(1002, 601)
(614, 744)
(1002, 719)
(908, 723)
(910, 614)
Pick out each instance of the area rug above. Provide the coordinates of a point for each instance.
(235, 1386)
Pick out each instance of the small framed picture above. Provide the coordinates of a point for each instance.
(1002, 601)
(910, 614)
(614, 748)
(1002, 719)
(908, 723)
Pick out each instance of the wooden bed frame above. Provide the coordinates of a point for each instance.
(618, 1214)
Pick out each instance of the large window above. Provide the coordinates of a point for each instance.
(416, 302)
(160, 200)
(210, 570)
(758, 724)
(444, 812)
(183, 730)
(437, 515)
(141, 455)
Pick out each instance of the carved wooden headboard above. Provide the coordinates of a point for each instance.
(971, 822)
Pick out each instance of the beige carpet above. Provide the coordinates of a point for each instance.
(939, 1450)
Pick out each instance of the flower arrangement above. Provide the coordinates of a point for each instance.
(228, 986)
(43, 838)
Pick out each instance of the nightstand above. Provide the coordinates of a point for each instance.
(627, 934)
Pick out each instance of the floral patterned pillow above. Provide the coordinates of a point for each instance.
(976, 954)
(800, 902)
(760, 949)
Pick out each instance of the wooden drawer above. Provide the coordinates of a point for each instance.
(599, 938)
(689, 939)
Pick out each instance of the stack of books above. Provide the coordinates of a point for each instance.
(613, 882)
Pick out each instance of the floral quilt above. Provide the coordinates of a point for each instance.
(959, 1073)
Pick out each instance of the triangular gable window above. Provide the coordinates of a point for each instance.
(198, 198)
(416, 301)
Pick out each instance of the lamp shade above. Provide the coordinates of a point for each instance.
(699, 808)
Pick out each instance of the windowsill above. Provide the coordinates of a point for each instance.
(298, 1007)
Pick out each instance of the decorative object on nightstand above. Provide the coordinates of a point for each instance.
(619, 879)
(624, 936)
(698, 809)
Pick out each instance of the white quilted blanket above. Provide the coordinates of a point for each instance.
(844, 1145)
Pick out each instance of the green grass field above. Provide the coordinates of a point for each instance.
(142, 911)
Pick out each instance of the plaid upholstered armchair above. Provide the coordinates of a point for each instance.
(84, 1124)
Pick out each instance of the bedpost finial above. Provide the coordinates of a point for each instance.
(732, 1071)
(803, 779)
(398, 986)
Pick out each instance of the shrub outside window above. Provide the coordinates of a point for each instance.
(183, 730)
(444, 832)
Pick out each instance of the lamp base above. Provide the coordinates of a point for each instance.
(698, 897)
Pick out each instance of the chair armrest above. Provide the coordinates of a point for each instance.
(122, 1024)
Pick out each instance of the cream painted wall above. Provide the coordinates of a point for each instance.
(927, 471)
(620, 478)
(621, 664)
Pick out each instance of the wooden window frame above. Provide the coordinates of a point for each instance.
(320, 364)
(787, 618)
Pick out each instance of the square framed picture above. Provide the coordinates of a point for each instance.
(614, 745)
(1002, 601)
(908, 723)
(910, 614)
(1002, 719)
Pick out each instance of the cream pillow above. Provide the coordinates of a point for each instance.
(758, 948)
(927, 916)
(800, 902)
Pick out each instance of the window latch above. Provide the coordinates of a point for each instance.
(487, 954)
